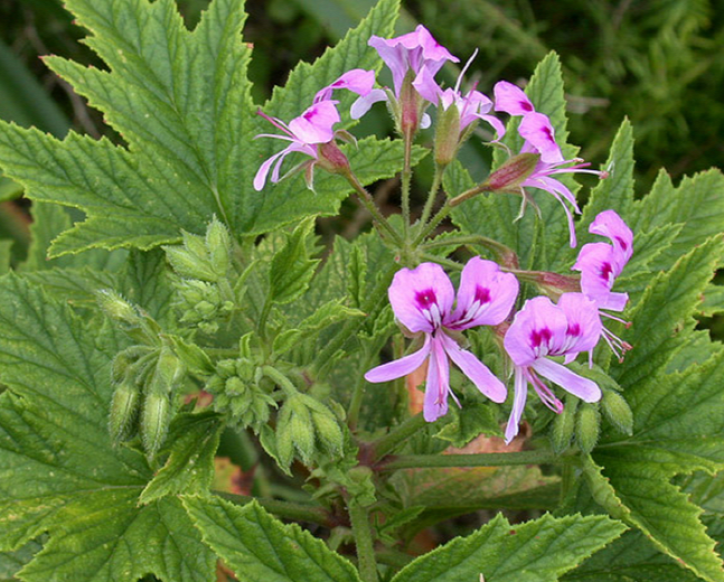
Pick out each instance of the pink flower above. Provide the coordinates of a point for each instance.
(600, 264)
(542, 329)
(471, 106)
(539, 135)
(311, 128)
(405, 55)
(422, 300)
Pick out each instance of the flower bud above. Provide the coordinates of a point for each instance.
(563, 426)
(117, 308)
(617, 411)
(588, 427)
(447, 135)
(155, 420)
(124, 411)
(331, 158)
(170, 370)
(510, 176)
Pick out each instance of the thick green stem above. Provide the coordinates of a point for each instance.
(397, 435)
(284, 509)
(362, 531)
(478, 460)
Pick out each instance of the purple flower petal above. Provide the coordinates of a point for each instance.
(584, 322)
(538, 131)
(401, 367)
(358, 81)
(315, 124)
(479, 374)
(516, 413)
(485, 297)
(537, 330)
(263, 171)
(437, 386)
(511, 99)
(585, 389)
(363, 104)
(426, 86)
(610, 225)
(421, 297)
(558, 191)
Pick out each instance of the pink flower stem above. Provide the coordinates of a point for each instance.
(406, 182)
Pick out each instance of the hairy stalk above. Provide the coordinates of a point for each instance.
(280, 380)
(362, 531)
(505, 254)
(477, 460)
(397, 435)
(357, 395)
(365, 198)
(406, 183)
(431, 196)
(284, 509)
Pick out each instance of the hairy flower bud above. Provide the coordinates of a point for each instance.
(447, 135)
(117, 308)
(155, 420)
(124, 411)
(563, 426)
(588, 427)
(331, 158)
(510, 176)
(617, 411)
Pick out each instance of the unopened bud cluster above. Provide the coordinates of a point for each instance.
(203, 269)
(241, 393)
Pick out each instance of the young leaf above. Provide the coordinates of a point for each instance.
(262, 549)
(190, 466)
(291, 268)
(536, 551)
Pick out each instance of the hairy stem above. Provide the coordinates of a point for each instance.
(284, 509)
(363, 538)
(478, 460)
(397, 435)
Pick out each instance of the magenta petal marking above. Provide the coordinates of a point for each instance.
(479, 374)
(538, 130)
(408, 289)
(401, 367)
(486, 295)
(511, 99)
(585, 389)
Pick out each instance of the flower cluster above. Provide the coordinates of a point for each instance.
(423, 299)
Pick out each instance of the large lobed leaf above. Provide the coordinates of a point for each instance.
(260, 548)
(58, 471)
(537, 551)
(181, 101)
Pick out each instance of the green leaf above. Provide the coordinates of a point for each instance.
(661, 320)
(261, 548)
(474, 419)
(291, 268)
(12, 562)
(536, 551)
(617, 190)
(631, 558)
(58, 470)
(5, 255)
(189, 469)
(328, 314)
(679, 420)
(697, 204)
